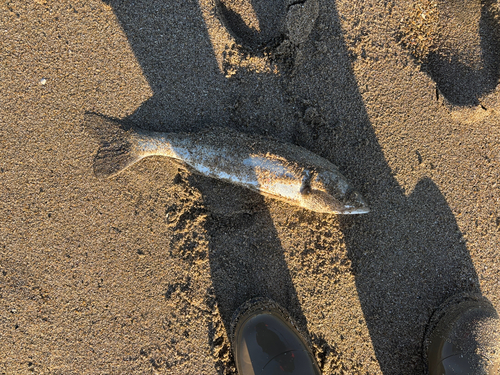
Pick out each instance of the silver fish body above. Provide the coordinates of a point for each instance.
(283, 171)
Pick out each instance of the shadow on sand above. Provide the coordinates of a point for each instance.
(460, 83)
(408, 254)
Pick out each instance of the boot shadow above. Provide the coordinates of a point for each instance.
(245, 254)
(407, 254)
(418, 259)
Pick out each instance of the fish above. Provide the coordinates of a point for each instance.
(272, 168)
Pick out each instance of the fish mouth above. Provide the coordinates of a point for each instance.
(356, 210)
(354, 203)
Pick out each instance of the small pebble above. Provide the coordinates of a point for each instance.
(43, 81)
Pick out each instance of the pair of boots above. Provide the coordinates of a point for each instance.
(462, 338)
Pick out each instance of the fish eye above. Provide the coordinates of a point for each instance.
(350, 194)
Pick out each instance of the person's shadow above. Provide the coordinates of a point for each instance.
(408, 254)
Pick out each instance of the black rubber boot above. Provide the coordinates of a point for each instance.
(463, 337)
(266, 342)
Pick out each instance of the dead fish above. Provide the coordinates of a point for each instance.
(280, 170)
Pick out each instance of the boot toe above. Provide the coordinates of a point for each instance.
(266, 342)
(463, 337)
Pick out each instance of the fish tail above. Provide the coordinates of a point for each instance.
(116, 151)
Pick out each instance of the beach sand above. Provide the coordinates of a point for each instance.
(141, 273)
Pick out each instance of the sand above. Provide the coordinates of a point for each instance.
(142, 272)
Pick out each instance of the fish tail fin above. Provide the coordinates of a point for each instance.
(116, 151)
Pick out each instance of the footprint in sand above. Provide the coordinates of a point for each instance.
(261, 28)
(457, 43)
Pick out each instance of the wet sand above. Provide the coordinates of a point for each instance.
(142, 272)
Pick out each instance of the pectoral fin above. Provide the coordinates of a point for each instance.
(305, 188)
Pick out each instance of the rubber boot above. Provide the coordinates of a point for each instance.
(463, 337)
(265, 341)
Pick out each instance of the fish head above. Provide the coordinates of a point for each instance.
(329, 191)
